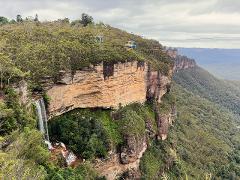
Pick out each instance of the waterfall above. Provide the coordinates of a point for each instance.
(42, 118)
(43, 128)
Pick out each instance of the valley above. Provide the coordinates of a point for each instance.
(90, 101)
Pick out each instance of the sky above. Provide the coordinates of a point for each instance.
(175, 23)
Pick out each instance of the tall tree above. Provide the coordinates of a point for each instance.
(19, 18)
(36, 18)
(86, 19)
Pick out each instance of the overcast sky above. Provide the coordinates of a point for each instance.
(177, 23)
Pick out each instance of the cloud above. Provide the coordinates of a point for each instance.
(187, 23)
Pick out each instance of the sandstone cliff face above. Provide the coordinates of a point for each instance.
(183, 62)
(107, 86)
(111, 86)
(164, 121)
(180, 62)
(92, 88)
(157, 84)
(114, 168)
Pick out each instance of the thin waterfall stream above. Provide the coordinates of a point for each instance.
(42, 120)
(69, 156)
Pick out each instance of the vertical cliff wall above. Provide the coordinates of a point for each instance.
(180, 62)
(157, 84)
(107, 86)
(183, 62)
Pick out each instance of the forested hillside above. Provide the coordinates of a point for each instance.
(200, 82)
(206, 133)
(35, 53)
(35, 50)
(198, 113)
(203, 142)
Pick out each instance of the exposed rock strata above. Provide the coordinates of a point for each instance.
(107, 87)
(157, 84)
(183, 62)
(180, 62)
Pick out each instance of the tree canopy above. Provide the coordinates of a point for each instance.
(44, 49)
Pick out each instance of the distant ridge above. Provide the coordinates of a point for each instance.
(224, 63)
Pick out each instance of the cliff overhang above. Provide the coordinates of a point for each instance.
(107, 86)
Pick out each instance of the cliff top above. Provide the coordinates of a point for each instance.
(44, 49)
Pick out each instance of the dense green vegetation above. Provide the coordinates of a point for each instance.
(206, 135)
(92, 133)
(23, 154)
(13, 115)
(222, 125)
(161, 161)
(200, 82)
(35, 50)
(84, 132)
(203, 142)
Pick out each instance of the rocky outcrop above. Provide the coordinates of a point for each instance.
(113, 168)
(157, 84)
(99, 87)
(107, 86)
(164, 121)
(183, 62)
(180, 62)
(132, 148)
(112, 86)
(172, 52)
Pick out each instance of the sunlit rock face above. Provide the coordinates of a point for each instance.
(105, 86)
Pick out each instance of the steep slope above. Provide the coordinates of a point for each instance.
(65, 67)
(207, 136)
(203, 142)
(118, 124)
(202, 83)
